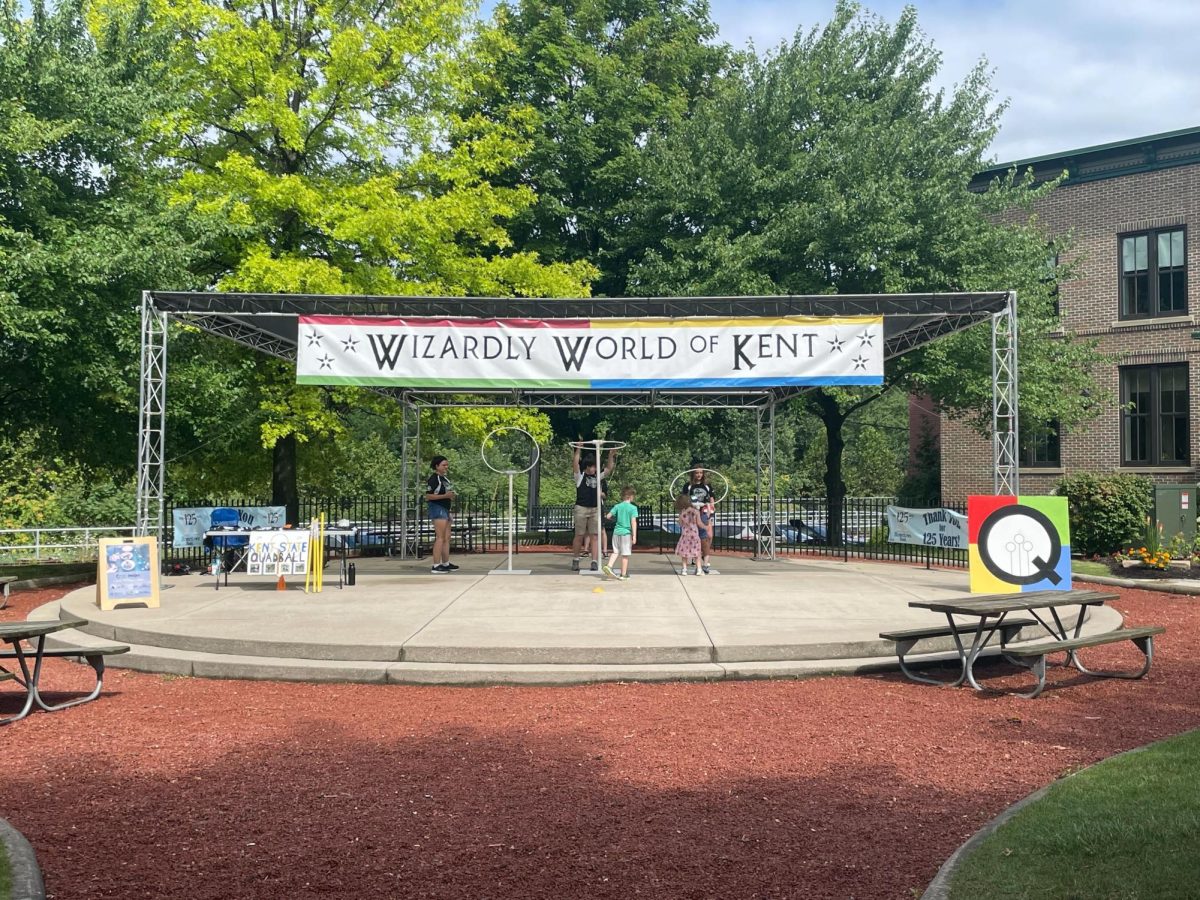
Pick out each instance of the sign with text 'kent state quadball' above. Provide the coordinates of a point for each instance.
(591, 354)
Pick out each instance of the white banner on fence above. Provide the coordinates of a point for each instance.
(277, 553)
(591, 354)
(927, 527)
(192, 521)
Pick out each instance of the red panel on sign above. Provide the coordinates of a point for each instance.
(979, 507)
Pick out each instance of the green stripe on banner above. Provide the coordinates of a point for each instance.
(451, 383)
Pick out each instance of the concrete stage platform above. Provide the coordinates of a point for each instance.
(400, 623)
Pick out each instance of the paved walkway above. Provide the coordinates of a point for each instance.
(401, 623)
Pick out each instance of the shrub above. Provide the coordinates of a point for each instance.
(1108, 512)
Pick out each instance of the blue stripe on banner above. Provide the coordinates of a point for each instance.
(669, 383)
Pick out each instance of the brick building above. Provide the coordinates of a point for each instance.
(1131, 206)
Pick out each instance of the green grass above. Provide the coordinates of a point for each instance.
(5, 876)
(1089, 567)
(1126, 829)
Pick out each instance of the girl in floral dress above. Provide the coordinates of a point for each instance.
(689, 533)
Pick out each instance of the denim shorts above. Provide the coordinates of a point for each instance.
(705, 518)
(437, 511)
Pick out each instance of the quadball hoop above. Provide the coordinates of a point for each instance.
(687, 473)
(599, 444)
(534, 456)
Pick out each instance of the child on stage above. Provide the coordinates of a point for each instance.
(624, 533)
(688, 547)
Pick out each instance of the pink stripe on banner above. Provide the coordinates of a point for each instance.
(446, 323)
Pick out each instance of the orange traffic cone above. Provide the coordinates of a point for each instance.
(281, 585)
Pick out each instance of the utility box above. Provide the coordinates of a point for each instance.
(1175, 510)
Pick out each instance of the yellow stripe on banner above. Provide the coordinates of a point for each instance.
(983, 581)
(736, 323)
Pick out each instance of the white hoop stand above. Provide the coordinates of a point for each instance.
(510, 472)
(687, 473)
(598, 445)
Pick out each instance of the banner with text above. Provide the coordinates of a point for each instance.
(192, 521)
(585, 354)
(927, 527)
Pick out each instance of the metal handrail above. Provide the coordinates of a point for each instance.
(47, 541)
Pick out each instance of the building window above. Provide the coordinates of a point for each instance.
(1050, 279)
(1039, 446)
(1154, 415)
(1153, 274)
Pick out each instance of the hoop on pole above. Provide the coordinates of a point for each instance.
(601, 443)
(688, 473)
(511, 454)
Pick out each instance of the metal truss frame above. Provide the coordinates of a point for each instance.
(764, 478)
(267, 323)
(152, 422)
(250, 304)
(410, 476)
(1006, 471)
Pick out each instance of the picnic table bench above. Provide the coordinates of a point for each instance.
(906, 640)
(16, 634)
(1142, 638)
(5, 583)
(992, 614)
(390, 536)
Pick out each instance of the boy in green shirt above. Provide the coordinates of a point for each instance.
(624, 533)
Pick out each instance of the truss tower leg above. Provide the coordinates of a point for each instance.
(152, 422)
(410, 480)
(1005, 425)
(764, 483)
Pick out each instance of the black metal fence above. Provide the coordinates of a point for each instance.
(481, 524)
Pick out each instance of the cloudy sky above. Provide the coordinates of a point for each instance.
(1074, 72)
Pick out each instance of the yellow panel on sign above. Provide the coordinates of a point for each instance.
(983, 581)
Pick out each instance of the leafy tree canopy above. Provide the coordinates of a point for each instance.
(83, 228)
(597, 78)
(834, 165)
(315, 143)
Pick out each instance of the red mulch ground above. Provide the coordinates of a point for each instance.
(831, 787)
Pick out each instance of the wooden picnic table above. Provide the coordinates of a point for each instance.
(990, 611)
(17, 633)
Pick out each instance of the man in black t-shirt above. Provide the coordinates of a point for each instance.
(587, 522)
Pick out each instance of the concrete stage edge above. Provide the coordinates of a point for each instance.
(401, 623)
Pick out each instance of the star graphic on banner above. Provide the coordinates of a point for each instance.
(860, 362)
(326, 362)
(314, 339)
(835, 346)
(866, 337)
(350, 344)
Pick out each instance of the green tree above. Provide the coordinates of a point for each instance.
(599, 76)
(313, 144)
(834, 165)
(83, 228)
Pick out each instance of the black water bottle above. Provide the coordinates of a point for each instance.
(350, 575)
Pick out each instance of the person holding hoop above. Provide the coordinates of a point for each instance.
(703, 500)
(587, 520)
(438, 496)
